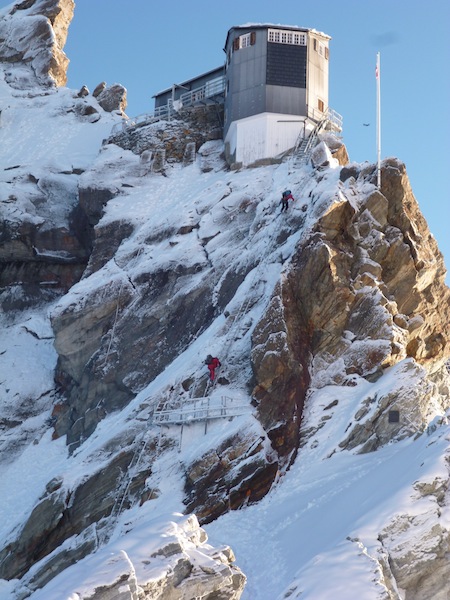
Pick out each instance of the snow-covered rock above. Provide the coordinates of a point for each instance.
(172, 562)
(33, 34)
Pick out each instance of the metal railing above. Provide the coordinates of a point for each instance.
(327, 120)
(160, 113)
(329, 115)
(201, 95)
(335, 119)
(212, 88)
(200, 409)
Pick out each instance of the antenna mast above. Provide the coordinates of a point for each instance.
(377, 74)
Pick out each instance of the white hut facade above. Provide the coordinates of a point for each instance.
(276, 89)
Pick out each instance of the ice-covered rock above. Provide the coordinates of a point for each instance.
(33, 34)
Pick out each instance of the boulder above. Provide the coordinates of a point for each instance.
(84, 91)
(113, 98)
(99, 89)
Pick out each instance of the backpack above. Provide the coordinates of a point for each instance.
(286, 193)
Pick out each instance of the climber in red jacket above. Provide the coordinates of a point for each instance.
(285, 197)
(212, 363)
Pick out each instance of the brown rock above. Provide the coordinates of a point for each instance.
(359, 268)
(341, 155)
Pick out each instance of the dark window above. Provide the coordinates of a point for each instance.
(327, 53)
(286, 65)
(394, 416)
(315, 45)
(253, 38)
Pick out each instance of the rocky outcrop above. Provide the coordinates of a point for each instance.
(369, 255)
(364, 291)
(183, 576)
(32, 37)
(179, 565)
(415, 546)
(190, 126)
(113, 97)
(198, 569)
(280, 365)
(43, 252)
(239, 472)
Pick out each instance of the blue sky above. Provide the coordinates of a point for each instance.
(148, 46)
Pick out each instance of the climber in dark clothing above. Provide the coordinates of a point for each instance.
(212, 364)
(285, 197)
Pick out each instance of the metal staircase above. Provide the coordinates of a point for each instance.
(329, 120)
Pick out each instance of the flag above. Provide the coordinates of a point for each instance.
(376, 72)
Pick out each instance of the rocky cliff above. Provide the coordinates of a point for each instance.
(45, 231)
(297, 305)
(364, 291)
(337, 314)
(361, 290)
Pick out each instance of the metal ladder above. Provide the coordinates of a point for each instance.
(330, 120)
(105, 531)
(305, 145)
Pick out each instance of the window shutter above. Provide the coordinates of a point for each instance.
(236, 44)
(327, 53)
(252, 38)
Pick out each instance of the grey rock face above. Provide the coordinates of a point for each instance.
(98, 370)
(60, 515)
(44, 251)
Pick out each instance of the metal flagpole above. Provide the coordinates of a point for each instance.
(377, 74)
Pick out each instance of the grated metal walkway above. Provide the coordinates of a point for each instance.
(200, 409)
